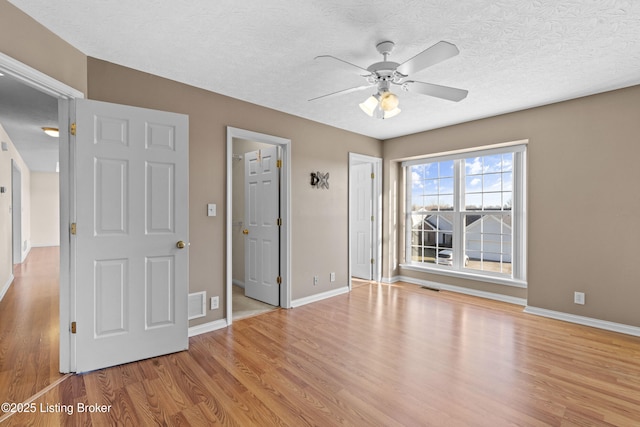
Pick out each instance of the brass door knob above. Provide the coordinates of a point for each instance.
(180, 244)
(245, 231)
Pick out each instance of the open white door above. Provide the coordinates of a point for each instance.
(261, 207)
(361, 221)
(131, 255)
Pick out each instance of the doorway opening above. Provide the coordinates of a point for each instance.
(365, 218)
(258, 226)
(36, 215)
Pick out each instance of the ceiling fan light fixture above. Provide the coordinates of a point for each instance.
(369, 105)
(392, 113)
(389, 101)
(53, 132)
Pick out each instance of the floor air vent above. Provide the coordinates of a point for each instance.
(430, 289)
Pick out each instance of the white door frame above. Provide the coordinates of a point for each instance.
(17, 250)
(376, 194)
(42, 82)
(285, 213)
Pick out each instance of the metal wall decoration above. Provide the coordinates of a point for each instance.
(320, 180)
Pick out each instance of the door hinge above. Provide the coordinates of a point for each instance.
(73, 327)
(373, 175)
(279, 222)
(73, 228)
(373, 261)
(279, 163)
(73, 129)
(372, 218)
(279, 280)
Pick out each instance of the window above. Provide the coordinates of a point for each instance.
(466, 213)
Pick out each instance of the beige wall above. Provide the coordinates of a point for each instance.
(6, 208)
(25, 40)
(583, 200)
(45, 209)
(320, 218)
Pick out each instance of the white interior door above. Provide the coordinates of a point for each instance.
(361, 221)
(131, 276)
(261, 212)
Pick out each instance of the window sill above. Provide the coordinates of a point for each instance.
(466, 275)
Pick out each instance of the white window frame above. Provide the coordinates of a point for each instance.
(518, 277)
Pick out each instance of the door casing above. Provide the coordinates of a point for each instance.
(285, 213)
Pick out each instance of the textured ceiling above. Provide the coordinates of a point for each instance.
(514, 54)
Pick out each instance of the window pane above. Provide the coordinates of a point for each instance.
(445, 203)
(430, 236)
(430, 186)
(492, 163)
(487, 242)
(473, 202)
(431, 203)
(507, 201)
(446, 186)
(492, 201)
(473, 184)
(507, 181)
(492, 182)
(507, 162)
(446, 168)
(473, 166)
(430, 170)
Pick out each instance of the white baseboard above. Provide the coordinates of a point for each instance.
(238, 283)
(586, 321)
(457, 289)
(207, 327)
(6, 286)
(45, 245)
(319, 297)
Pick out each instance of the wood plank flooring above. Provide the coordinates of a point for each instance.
(382, 355)
(29, 327)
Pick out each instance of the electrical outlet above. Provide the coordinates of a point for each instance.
(215, 303)
(332, 277)
(315, 280)
(578, 298)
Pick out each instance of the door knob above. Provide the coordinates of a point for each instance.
(180, 244)
(245, 231)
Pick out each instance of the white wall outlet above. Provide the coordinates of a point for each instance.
(215, 303)
(332, 277)
(578, 298)
(211, 209)
(315, 280)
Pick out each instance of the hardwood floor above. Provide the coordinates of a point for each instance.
(29, 327)
(382, 355)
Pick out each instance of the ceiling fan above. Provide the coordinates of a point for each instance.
(382, 75)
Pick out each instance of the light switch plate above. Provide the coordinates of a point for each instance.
(211, 209)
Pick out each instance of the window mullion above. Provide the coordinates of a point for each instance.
(458, 203)
(408, 214)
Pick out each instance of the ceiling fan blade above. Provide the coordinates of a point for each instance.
(344, 64)
(444, 92)
(343, 92)
(431, 56)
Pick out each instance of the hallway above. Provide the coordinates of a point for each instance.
(29, 329)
